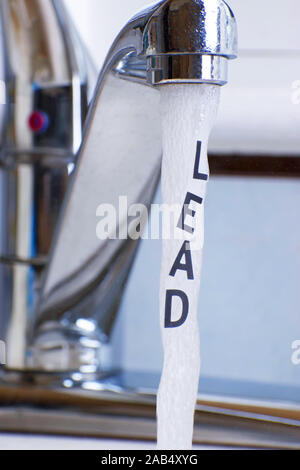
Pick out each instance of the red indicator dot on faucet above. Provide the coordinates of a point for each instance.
(38, 122)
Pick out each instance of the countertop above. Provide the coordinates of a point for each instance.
(33, 442)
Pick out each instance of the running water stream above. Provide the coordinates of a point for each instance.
(188, 114)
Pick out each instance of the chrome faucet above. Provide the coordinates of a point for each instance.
(120, 155)
(60, 285)
(59, 303)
